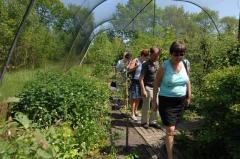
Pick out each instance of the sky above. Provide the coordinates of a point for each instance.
(224, 7)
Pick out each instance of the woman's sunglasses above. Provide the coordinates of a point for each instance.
(146, 55)
(178, 53)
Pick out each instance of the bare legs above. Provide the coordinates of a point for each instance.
(169, 141)
(134, 105)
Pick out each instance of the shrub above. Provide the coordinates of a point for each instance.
(221, 109)
(54, 98)
(221, 91)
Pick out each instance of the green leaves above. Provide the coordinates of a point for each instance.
(225, 80)
(220, 107)
(55, 98)
(23, 119)
(43, 154)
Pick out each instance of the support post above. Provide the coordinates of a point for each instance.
(239, 28)
(127, 123)
(154, 16)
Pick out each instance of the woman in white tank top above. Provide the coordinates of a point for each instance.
(135, 90)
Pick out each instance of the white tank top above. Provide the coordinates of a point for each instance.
(138, 69)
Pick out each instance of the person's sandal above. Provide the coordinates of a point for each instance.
(145, 125)
(138, 114)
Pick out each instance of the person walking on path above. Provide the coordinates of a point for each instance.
(174, 93)
(146, 79)
(123, 64)
(135, 90)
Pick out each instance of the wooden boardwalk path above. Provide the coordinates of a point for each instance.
(155, 137)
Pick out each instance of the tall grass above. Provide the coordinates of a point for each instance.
(13, 82)
(85, 70)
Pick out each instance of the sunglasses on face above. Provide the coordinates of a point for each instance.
(145, 55)
(178, 54)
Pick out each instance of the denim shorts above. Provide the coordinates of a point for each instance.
(135, 90)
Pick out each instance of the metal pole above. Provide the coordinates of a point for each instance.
(19, 30)
(154, 16)
(127, 129)
(137, 14)
(239, 28)
(239, 24)
(238, 46)
(126, 98)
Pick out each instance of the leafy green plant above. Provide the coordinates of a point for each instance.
(19, 140)
(55, 98)
(220, 108)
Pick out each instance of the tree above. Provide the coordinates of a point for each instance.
(49, 32)
(204, 21)
(229, 25)
(11, 16)
(50, 12)
(125, 13)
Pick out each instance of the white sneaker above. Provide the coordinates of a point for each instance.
(134, 118)
(138, 114)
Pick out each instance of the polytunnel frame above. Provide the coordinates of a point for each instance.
(86, 46)
(81, 27)
(87, 43)
(20, 28)
(202, 8)
(87, 40)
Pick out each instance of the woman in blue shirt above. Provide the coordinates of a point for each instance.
(175, 89)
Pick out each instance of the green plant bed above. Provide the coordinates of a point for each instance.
(55, 98)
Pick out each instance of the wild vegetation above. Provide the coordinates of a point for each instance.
(62, 115)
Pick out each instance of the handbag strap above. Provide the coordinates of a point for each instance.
(185, 65)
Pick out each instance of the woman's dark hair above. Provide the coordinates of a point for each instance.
(144, 52)
(155, 50)
(127, 55)
(177, 46)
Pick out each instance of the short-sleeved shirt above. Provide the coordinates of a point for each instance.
(173, 84)
(121, 65)
(149, 70)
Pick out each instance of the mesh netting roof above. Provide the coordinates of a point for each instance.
(108, 13)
